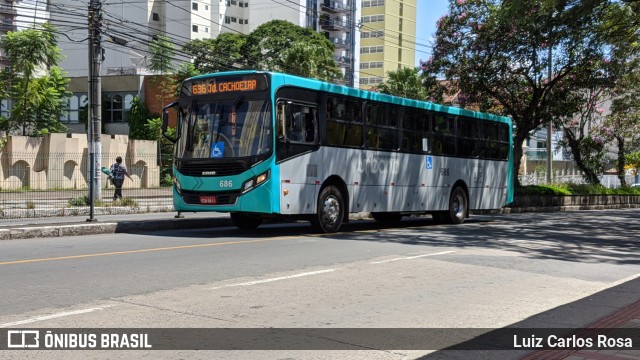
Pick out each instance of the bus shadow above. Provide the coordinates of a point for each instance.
(571, 237)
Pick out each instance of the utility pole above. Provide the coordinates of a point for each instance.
(95, 105)
(549, 131)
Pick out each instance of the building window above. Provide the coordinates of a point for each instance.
(156, 17)
(371, 65)
(206, 7)
(373, 18)
(206, 29)
(372, 34)
(371, 49)
(116, 107)
(194, 6)
(75, 105)
(227, 20)
(194, 28)
(233, 20)
(372, 3)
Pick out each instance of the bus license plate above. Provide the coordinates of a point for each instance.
(210, 200)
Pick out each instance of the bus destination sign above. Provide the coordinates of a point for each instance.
(216, 86)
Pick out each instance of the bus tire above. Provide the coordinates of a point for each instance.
(387, 218)
(245, 221)
(458, 206)
(330, 210)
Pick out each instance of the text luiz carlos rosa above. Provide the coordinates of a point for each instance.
(574, 341)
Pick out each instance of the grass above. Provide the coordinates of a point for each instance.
(84, 201)
(574, 189)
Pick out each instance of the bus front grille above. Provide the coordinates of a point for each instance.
(193, 168)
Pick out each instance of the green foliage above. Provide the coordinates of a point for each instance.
(633, 159)
(79, 201)
(162, 52)
(138, 116)
(219, 54)
(265, 44)
(405, 82)
(186, 71)
(165, 148)
(277, 45)
(574, 189)
(125, 201)
(37, 98)
(497, 54)
(311, 61)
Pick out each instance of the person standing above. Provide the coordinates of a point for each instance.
(118, 172)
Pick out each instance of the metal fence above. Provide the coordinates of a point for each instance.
(570, 177)
(44, 185)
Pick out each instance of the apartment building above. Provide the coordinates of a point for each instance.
(387, 39)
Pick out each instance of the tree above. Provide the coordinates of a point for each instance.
(518, 58)
(219, 54)
(138, 116)
(186, 71)
(35, 84)
(405, 82)
(162, 52)
(311, 61)
(264, 47)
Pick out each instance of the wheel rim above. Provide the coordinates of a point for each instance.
(330, 211)
(458, 206)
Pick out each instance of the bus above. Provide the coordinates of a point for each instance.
(261, 144)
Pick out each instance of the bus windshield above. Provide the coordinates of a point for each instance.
(230, 128)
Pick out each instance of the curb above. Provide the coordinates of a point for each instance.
(37, 231)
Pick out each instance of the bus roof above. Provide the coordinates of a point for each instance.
(313, 84)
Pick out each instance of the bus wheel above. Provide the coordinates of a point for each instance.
(330, 211)
(388, 218)
(458, 206)
(245, 221)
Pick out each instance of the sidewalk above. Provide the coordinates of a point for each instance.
(108, 224)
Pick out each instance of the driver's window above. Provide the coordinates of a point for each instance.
(298, 123)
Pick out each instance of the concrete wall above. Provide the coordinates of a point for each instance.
(60, 161)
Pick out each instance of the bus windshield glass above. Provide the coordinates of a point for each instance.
(229, 128)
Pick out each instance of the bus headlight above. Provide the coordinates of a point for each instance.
(177, 184)
(255, 181)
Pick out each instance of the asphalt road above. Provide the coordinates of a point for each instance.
(492, 271)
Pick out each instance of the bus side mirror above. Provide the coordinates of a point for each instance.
(165, 121)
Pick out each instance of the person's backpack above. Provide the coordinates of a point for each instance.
(116, 172)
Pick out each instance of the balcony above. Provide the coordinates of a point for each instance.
(8, 9)
(342, 60)
(333, 6)
(340, 43)
(333, 24)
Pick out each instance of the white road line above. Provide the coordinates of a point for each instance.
(622, 281)
(277, 279)
(53, 316)
(412, 257)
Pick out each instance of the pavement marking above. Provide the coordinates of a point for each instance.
(277, 278)
(412, 257)
(146, 250)
(53, 316)
(624, 280)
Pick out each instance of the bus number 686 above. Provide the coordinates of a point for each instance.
(226, 183)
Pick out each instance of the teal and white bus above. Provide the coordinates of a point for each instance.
(262, 144)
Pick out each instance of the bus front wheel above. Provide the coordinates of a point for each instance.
(245, 221)
(330, 210)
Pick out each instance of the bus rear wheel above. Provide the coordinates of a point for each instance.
(458, 206)
(330, 210)
(245, 221)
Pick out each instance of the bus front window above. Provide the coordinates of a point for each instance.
(228, 129)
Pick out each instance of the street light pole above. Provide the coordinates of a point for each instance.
(549, 126)
(95, 106)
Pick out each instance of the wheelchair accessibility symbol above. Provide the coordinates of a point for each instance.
(429, 163)
(217, 150)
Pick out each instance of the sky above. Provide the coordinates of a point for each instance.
(429, 11)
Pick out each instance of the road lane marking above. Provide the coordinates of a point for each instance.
(53, 316)
(412, 257)
(194, 246)
(249, 283)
